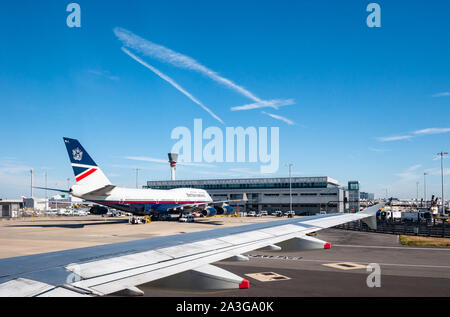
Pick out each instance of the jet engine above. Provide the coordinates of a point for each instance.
(209, 212)
(225, 209)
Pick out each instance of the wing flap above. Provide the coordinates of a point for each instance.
(117, 281)
(23, 287)
(61, 292)
(103, 191)
(282, 230)
(246, 237)
(194, 248)
(116, 264)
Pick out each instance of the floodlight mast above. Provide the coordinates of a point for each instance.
(31, 171)
(442, 180)
(137, 174)
(290, 186)
(425, 189)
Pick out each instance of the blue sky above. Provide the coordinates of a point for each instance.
(354, 88)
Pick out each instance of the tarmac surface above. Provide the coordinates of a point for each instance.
(405, 271)
(28, 236)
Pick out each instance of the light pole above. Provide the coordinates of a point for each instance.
(137, 171)
(442, 180)
(425, 189)
(417, 193)
(31, 171)
(46, 198)
(290, 186)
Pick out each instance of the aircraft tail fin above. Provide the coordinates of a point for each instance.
(86, 171)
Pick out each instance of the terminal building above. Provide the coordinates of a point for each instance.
(310, 195)
(367, 196)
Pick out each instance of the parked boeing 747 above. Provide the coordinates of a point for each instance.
(93, 185)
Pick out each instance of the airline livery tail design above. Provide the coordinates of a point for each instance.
(93, 185)
(86, 171)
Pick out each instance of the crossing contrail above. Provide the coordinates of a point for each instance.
(172, 82)
(290, 122)
(169, 56)
(276, 104)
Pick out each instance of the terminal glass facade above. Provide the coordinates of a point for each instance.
(244, 186)
(310, 195)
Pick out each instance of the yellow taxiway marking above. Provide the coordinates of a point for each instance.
(345, 266)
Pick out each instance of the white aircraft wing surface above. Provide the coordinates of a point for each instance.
(180, 259)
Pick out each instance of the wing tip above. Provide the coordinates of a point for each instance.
(244, 284)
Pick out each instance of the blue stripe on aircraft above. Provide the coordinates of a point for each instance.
(78, 170)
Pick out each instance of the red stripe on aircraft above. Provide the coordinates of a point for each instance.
(79, 178)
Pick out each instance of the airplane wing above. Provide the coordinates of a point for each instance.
(102, 191)
(171, 260)
(53, 189)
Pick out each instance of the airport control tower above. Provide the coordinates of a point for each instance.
(173, 157)
(354, 196)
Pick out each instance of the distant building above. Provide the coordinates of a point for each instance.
(57, 201)
(310, 195)
(366, 196)
(10, 208)
(62, 201)
(39, 204)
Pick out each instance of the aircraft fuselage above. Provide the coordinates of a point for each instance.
(147, 201)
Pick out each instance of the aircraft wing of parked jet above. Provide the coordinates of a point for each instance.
(177, 260)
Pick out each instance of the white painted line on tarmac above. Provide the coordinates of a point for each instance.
(388, 264)
(265, 257)
(384, 247)
(418, 265)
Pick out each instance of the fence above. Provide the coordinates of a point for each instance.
(427, 229)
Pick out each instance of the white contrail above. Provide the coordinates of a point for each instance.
(172, 82)
(276, 104)
(415, 134)
(432, 131)
(156, 160)
(442, 94)
(395, 138)
(146, 159)
(166, 55)
(278, 117)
